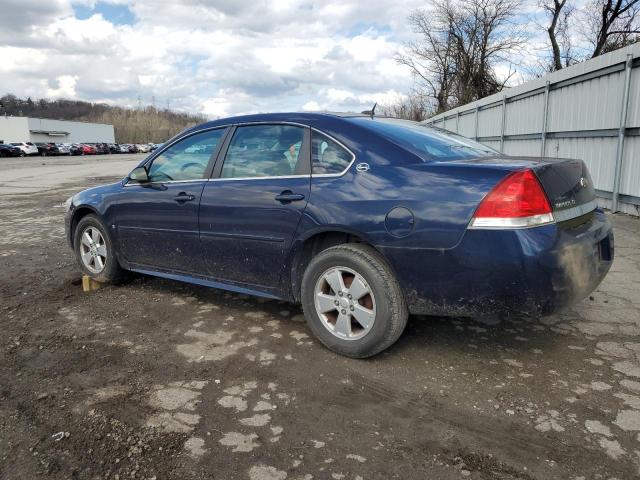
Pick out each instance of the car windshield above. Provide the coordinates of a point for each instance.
(429, 143)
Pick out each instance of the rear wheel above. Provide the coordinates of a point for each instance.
(352, 301)
(94, 250)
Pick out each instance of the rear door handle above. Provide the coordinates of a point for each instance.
(288, 196)
(184, 197)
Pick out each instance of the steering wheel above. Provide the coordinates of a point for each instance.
(161, 174)
(189, 165)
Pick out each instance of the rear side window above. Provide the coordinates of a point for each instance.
(327, 156)
(430, 144)
(265, 151)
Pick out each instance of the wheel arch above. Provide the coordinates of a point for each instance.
(316, 241)
(79, 213)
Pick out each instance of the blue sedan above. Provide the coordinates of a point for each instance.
(361, 219)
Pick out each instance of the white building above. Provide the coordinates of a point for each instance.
(25, 129)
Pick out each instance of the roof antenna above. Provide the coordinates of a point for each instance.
(371, 112)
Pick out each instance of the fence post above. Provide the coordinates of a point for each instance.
(621, 133)
(504, 111)
(476, 127)
(457, 121)
(543, 137)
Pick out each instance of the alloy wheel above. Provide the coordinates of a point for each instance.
(345, 303)
(93, 249)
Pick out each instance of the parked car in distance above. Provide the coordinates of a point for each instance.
(102, 148)
(8, 150)
(87, 149)
(47, 149)
(27, 148)
(143, 148)
(361, 219)
(124, 148)
(75, 149)
(114, 148)
(64, 148)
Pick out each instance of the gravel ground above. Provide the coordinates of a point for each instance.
(157, 379)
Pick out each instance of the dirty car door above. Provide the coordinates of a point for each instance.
(251, 208)
(157, 222)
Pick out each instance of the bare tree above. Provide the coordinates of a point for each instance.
(431, 59)
(460, 42)
(415, 106)
(611, 24)
(559, 12)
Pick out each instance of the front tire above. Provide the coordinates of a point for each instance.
(352, 301)
(94, 250)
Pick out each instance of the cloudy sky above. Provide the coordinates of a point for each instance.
(217, 57)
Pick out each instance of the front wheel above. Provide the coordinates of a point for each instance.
(94, 250)
(352, 301)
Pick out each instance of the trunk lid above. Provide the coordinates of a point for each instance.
(566, 182)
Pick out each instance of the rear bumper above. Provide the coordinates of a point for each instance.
(531, 272)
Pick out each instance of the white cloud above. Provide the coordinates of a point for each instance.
(66, 87)
(220, 58)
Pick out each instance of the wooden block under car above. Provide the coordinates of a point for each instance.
(89, 284)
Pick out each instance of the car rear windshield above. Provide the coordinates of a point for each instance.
(429, 143)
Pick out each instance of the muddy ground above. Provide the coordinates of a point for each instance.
(157, 379)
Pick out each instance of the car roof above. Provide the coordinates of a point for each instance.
(301, 117)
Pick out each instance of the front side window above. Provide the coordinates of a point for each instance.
(327, 156)
(265, 151)
(186, 159)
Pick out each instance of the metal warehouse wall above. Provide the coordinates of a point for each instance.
(589, 111)
(25, 129)
(77, 132)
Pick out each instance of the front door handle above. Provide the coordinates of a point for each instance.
(288, 196)
(184, 197)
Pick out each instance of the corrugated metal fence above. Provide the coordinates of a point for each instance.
(589, 111)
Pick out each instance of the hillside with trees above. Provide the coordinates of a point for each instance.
(130, 125)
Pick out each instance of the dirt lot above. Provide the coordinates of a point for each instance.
(156, 379)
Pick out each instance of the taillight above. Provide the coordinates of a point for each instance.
(518, 201)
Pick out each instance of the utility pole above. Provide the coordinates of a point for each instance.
(139, 102)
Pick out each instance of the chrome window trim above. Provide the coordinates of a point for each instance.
(145, 184)
(332, 175)
(313, 129)
(218, 179)
(274, 122)
(164, 148)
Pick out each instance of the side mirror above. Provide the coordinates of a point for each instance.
(139, 174)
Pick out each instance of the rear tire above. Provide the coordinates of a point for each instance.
(91, 240)
(370, 292)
